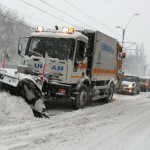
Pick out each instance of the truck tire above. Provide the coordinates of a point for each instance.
(110, 93)
(81, 98)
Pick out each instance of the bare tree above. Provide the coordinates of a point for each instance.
(11, 28)
(135, 63)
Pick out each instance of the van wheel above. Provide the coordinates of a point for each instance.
(110, 93)
(81, 98)
(138, 92)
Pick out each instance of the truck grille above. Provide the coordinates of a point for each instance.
(54, 77)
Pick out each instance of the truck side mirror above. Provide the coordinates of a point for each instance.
(122, 55)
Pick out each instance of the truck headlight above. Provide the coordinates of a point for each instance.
(62, 91)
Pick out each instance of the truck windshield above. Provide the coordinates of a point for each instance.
(54, 47)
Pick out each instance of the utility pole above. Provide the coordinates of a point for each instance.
(124, 29)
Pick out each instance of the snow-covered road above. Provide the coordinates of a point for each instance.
(123, 124)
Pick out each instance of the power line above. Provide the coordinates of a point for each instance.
(21, 23)
(33, 6)
(18, 33)
(14, 20)
(52, 6)
(90, 16)
(77, 8)
(26, 15)
(5, 16)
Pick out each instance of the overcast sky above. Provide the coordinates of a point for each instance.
(102, 15)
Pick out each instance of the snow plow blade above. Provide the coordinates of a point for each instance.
(24, 87)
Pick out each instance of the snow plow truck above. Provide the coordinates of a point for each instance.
(75, 66)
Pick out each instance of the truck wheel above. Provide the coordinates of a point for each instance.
(81, 98)
(110, 93)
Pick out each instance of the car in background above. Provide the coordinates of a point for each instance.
(145, 84)
(130, 85)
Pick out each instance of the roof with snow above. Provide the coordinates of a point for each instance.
(60, 34)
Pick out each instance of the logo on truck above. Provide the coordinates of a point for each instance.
(38, 65)
(57, 68)
(54, 67)
(107, 48)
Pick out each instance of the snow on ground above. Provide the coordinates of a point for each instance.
(13, 109)
(123, 124)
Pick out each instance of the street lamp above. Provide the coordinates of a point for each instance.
(123, 32)
(124, 29)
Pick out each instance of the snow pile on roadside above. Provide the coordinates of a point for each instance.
(13, 109)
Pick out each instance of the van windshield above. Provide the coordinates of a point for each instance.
(54, 47)
(130, 78)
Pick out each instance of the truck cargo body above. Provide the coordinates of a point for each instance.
(104, 54)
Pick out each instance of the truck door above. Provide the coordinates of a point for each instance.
(80, 61)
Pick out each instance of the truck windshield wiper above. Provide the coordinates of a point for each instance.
(35, 53)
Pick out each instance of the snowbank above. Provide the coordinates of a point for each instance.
(13, 109)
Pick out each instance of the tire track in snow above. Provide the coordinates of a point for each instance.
(117, 139)
(23, 132)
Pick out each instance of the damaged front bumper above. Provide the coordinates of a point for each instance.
(53, 90)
